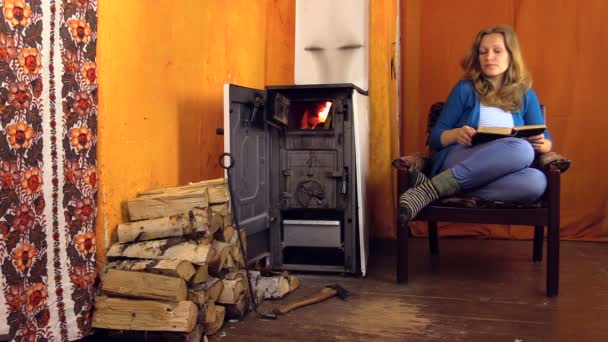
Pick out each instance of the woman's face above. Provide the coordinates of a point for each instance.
(494, 57)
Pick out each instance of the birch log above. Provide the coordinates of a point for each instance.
(143, 285)
(218, 193)
(221, 251)
(175, 268)
(198, 297)
(167, 204)
(222, 209)
(201, 275)
(225, 234)
(212, 328)
(213, 287)
(172, 248)
(193, 221)
(209, 315)
(233, 289)
(238, 309)
(147, 315)
(197, 185)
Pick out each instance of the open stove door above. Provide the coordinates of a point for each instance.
(245, 138)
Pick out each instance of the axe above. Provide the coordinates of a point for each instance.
(326, 293)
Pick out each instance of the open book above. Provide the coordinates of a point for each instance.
(485, 134)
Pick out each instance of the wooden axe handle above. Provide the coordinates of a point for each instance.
(324, 294)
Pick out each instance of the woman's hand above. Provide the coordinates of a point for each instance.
(461, 135)
(539, 143)
(464, 134)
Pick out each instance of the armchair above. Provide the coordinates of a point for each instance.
(544, 213)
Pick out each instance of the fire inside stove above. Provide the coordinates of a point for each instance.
(310, 115)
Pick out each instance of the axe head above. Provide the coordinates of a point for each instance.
(340, 291)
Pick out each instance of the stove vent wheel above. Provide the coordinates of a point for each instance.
(310, 193)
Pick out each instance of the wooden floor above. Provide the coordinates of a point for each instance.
(476, 290)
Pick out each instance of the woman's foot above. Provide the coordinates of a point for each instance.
(416, 198)
(416, 178)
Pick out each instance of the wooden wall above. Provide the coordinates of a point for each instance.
(564, 44)
(383, 97)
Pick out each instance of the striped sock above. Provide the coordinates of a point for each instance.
(417, 178)
(416, 198)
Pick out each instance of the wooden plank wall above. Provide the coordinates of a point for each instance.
(564, 44)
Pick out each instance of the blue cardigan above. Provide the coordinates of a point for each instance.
(462, 108)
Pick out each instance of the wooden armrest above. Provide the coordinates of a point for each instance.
(413, 162)
(550, 160)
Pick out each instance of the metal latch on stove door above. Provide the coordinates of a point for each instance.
(343, 176)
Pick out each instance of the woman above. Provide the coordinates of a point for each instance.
(495, 91)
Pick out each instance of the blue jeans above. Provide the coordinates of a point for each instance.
(498, 170)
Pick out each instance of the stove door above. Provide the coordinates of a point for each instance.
(246, 139)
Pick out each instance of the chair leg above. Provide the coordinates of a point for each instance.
(553, 235)
(433, 240)
(402, 251)
(539, 236)
(553, 260)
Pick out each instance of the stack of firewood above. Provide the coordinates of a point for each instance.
(176, 267)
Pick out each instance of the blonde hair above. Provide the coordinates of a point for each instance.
(516, 79)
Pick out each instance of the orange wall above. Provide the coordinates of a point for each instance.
(564, 44)
(162, 67)
(384, 127)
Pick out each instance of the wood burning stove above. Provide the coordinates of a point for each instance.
(301, 156)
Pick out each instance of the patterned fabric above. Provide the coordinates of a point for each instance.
(48, 168)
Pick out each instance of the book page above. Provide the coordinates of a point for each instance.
(495, 130)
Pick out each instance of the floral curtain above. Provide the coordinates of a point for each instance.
(48, 175)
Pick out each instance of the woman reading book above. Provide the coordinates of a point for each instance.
(495, 91)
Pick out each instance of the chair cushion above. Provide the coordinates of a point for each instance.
(480, 203)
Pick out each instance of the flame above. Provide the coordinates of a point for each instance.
(324, 112)
(309, 121)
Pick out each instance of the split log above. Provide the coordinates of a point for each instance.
(195, 335)
(218, 193)
(196, 185)
(233, 289)
(230, 265)
(216, 223)
(143, 285)
(294, 282)
(167, 204)
(235, 239)
(237, 257)
(221, 251)
(172, 248)
(198, 297)
(235, 251)
(175, 268)
(201, 275)
(238, 309)
(212, 328)
(222, 209)
(225, 234)
(147, 315)
(274, 287)
(193, 221)
(209, 313)
(213, 287)
(205, 240)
